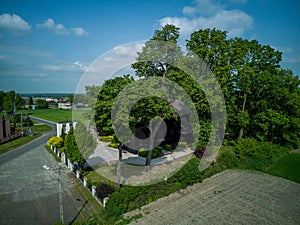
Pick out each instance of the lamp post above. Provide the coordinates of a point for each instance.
(60, 191)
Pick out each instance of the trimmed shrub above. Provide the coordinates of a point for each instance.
(113, 145)
(156, 152)
(106, 138)
(182, 145)
(143, 152)
(57, 142)
(168, 147)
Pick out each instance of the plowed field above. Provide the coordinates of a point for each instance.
(231, 197)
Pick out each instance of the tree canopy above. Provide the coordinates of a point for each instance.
(9, 100)
(262, 98)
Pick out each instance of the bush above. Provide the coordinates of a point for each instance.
(57, 142)
(106, 138)
(168, 147)
(143, 152)
(114, 141)
(156, 152)
(228, 159)
(252, 148)
(182, 145)
(104, 190)
(113, 145)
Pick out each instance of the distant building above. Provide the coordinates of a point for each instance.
(64, 105)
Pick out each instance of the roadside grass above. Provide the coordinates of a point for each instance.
(287, 167)
(38, 128)
(17, 143)
(94, 214)
(95, 179)
(56, 115)
(57, 159)
(41, 128)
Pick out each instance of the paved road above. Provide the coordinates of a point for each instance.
(37, 142)
(29, 194)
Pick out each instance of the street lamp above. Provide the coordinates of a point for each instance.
(60, 190)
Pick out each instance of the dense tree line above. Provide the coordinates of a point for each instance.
(9, 100)
(262, 99)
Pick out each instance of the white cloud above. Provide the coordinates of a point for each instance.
(60, 29)
(81, 65)
(79, 31)
(14, 24)
(129, 50)
(109, 59)
(209, 14)
(49, 24)
(67, 67)
(204, 7)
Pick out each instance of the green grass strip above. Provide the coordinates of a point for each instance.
(17, 143)
(287, 167)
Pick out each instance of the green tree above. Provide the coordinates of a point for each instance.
(155, 58)
(2, 94)
(258, 92)
(106, 97)
(42, 104)
(30, 101)
(9, 102)
(251, 61)
(92, 93)
(71, 149)
(71, 98)
(84, 139)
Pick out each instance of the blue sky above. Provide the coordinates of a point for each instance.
(45, 46)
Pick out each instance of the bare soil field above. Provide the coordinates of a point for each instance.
(231, 197)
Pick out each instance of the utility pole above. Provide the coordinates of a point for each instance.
(21, 124)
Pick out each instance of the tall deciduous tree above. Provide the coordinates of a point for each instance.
(155, 58)
(30, 101)
(106, 97)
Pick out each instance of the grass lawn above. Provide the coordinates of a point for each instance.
(287, 167)
(17, 143)
(41, 128)
(55, 115)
